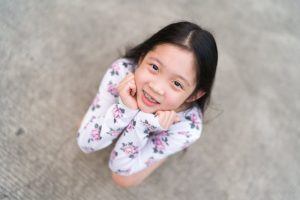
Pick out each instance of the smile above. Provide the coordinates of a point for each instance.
(148, 100)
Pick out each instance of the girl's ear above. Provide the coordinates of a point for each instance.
(196, 96)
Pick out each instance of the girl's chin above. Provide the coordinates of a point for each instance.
(147, 109)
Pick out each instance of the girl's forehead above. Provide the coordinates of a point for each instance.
(173, 54)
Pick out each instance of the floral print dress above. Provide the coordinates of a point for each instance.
(141, 141)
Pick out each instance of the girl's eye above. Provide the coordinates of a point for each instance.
(154, 67)
(178, 84)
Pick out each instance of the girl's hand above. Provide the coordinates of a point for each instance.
(167, 118)
(127, 91)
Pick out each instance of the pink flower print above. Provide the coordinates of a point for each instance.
(193, 117)
(130, 149)
(115, 69)
(164, 133)
(149, 127)
(113, 133)
(194, 121)
(112, 89)
(158, 145)
(96, 134)
(130, 126)
(117, 113)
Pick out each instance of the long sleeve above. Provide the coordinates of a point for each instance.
(145, 142)
(107, 116)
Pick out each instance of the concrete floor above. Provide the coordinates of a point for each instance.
(52, 58)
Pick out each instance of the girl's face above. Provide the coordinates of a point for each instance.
(167, 74)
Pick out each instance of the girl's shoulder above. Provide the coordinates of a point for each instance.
(193, 114)
(122, 66)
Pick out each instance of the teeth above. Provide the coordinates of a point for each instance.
(150, 98)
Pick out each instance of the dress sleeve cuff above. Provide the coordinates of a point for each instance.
(150, 121)
(157, 124)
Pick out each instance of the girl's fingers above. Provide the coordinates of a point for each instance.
(166, 119)
(127, 84)
(132, 89)
(124, 82)
(162, 116)
(169, 117)
(158, 113)
(173, 117)
(177, 119)
(127, 78)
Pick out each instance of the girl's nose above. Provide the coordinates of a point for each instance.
(156, 89)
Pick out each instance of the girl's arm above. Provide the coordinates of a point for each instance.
(135, 150)
(107, 116)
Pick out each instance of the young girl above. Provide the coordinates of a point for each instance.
(152, 100)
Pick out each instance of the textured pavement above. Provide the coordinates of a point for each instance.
(52, 58)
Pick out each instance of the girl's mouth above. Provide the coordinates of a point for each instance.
(148, 100)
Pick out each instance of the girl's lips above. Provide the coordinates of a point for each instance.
(147, 102)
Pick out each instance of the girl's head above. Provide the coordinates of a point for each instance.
(176, 67)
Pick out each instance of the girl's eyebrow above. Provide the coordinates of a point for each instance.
(181, 77)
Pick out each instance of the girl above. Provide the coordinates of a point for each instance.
(153, 100)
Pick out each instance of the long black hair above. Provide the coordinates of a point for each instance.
(193, 38)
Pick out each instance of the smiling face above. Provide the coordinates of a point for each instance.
(166, 73)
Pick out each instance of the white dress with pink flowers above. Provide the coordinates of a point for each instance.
(141, 141)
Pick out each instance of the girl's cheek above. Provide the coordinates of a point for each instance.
(169, 102)
(142, 77)
(138, 78)
(176, 101)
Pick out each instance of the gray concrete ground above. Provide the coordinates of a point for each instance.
(52, 58)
